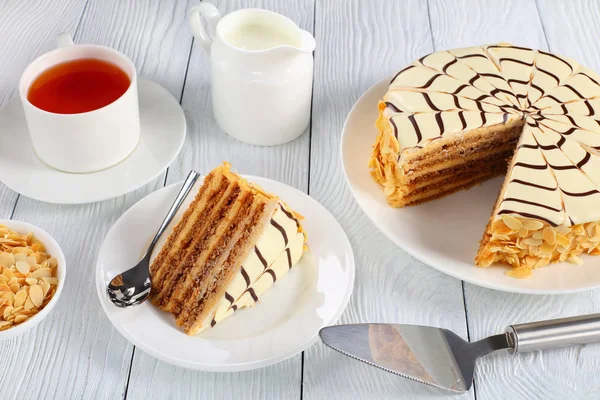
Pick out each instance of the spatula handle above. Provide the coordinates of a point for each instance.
(555, 333)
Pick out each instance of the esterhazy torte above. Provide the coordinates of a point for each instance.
(455, 118)
(231, 244)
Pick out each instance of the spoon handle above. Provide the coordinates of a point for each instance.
(185, 189)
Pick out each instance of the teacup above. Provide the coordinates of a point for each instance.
(86, 141)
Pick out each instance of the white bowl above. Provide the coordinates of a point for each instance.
(54, 250)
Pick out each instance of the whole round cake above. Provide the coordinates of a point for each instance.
(455, 118)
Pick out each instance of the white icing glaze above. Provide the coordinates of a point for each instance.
(556, 173)
(257, 275)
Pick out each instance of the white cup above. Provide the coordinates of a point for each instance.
(89, 141)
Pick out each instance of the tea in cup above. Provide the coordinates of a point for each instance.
(81, 106)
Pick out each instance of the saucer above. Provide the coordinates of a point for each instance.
(163, 131)
(284, 322)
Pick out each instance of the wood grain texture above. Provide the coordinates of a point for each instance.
(75, 352)
(375, 40)
(560, 374)
(27, 30)
(207, 146)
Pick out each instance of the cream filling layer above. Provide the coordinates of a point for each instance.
(276, 251)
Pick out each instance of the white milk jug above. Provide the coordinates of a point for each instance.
(262, 67)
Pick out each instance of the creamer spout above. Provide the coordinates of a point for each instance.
(308, 43)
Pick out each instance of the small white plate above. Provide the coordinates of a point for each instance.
(444, 233)
(284, 322)
(162, 136)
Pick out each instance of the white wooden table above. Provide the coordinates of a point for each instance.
(76, 353)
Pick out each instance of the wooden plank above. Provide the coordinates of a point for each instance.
(561, 374)
(358, 44)
(206, 147)
(27, 30)
(75, 352)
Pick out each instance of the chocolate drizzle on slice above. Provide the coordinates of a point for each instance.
(281, 230)
(272, 273)
(253, 294)
(289, 258)
(261, 258)
(246, 277)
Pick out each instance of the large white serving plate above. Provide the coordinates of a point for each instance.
(444, 233)
(284, 322)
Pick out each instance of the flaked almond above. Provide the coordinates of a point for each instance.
(563, 240)
(532, 242)
(31, 281)
(52, 280)
(549, 235)
(40, 273)
(22, 267)
(7, 259)
(20, 298)
(36, 294)
(15, 287)
(29, 304)
(519, 273)
(20, 318)
(512, 222)
(533, 225)
(573, 259)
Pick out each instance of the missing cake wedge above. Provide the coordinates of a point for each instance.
(231, 245)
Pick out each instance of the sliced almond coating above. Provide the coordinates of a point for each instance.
(532, 242)
(53, 262)
(523, 232)
(549, 235)
(20, 318)
(520, 273)
(36, 294)
(15, 287)
(4, 324)
(22, 267)
(533, 225)
(13, 280)
(42, 272)
(20, 257)
(4, 288)
(538, 235)
(3, 279)
(563, 240)
(20, 298)
(573, 259)
(512, 222)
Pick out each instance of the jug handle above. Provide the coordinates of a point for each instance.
(212, 16)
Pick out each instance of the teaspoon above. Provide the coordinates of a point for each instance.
(132, 287)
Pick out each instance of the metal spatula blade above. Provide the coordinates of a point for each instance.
(439, 357)
(433, 356)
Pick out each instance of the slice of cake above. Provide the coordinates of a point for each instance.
(455, 118)
(231, 244)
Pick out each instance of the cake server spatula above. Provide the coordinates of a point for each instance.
(441, 358)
